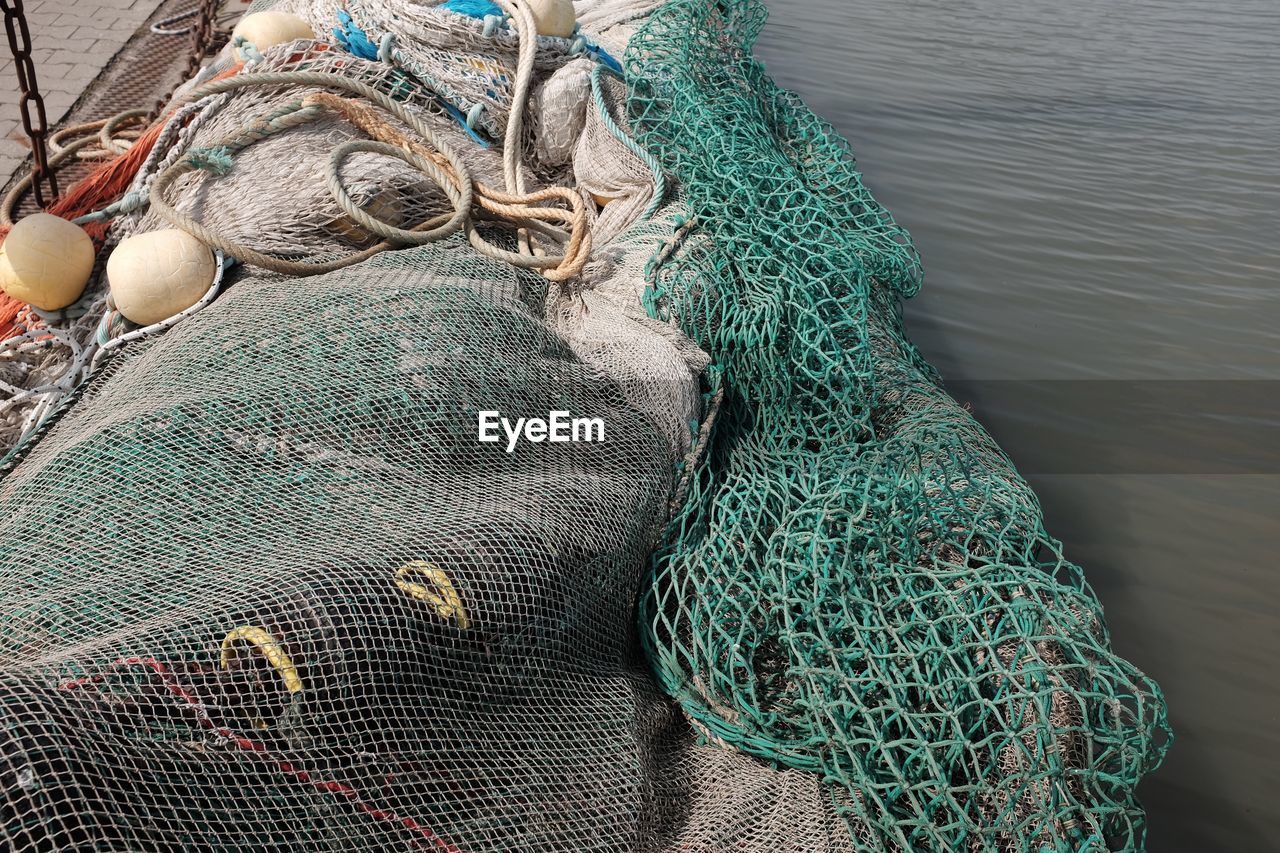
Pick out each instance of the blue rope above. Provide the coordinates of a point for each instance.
(353, 39)
(584, 45)
(479, 9)
(659, 179)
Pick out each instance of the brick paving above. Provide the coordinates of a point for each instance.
(72, 42)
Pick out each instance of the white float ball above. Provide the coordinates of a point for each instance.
(553, 17)
(158, 274)
(46, 261)
(268, 29)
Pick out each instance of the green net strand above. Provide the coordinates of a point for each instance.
(860, 585)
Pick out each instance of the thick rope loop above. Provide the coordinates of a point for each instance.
(262, 642)
(10, 203)
(511, 143)
(373, 225)
(298, 113)
(322, 79)
(506, 206)
(110, 134)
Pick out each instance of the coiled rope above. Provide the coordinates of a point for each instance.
(429, 153)
(513, 207)
(113, 139)
(65, 151)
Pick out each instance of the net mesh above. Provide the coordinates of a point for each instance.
(860, 585)
(265, 589)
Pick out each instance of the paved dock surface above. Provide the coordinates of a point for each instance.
(72, 42)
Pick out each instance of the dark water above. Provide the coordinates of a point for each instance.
(1095, 188)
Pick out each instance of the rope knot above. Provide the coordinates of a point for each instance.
(247, 50)
(216, 161)
(386, 50)
(491, 25)
(354, 39)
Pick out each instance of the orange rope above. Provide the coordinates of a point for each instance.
(100, 188)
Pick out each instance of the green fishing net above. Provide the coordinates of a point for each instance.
(860, 585)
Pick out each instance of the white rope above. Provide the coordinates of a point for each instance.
(48, 395)
(36, 340)
(106, 344)
(514, 137)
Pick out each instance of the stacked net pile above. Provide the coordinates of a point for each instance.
(265, 589)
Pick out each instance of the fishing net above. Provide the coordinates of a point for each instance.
(860, 585)
(266, 589)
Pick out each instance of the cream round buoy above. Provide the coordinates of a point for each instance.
(158, 274)
(602, 200)
(46, 262)
(553, 17)
(268, 29)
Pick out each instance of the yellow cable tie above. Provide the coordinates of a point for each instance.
(439, 592)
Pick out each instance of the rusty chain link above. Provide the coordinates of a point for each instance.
(201, 39)
(37, 127)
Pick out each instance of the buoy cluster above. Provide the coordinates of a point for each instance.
(47, 262)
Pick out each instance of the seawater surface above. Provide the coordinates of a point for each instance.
(1095, 189)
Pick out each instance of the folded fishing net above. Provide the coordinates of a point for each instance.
(265, 589)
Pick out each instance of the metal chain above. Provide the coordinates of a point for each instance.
(201, 39)
(37, 126)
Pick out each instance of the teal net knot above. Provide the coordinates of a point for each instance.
(217, 161)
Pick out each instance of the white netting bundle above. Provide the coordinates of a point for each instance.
(279, 193)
